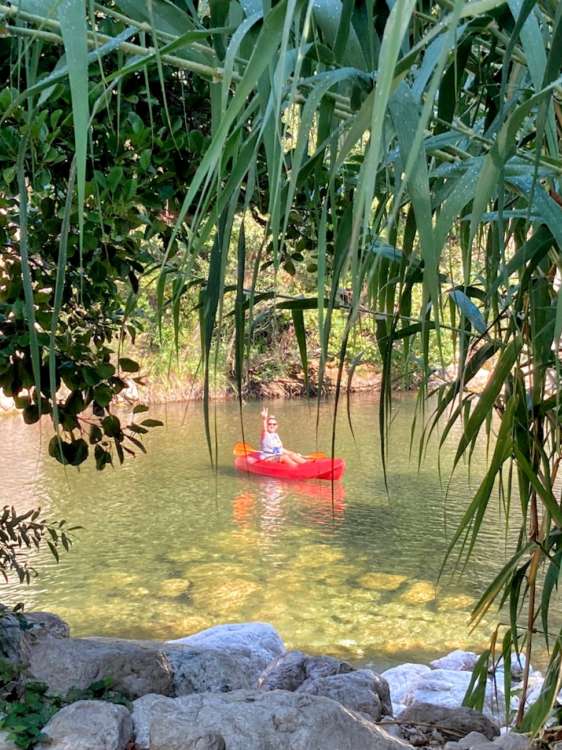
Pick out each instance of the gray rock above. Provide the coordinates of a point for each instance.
(518, 662)
(135, 668)
(356, 690)
(443, 687)
(256, 720)
(144, 710)
(289, 671)
(473, 739)
(208, 742)
(18, 633)
(45, 624)
(462, 661)
(512, 741)
(451, 745)
(453, 723)
(258, 638)
(6, 743)
(223, 658)
(388, 723)
(201, 670)
(89, 725)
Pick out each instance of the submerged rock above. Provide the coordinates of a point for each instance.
(421, 592)
(254, 720)
(134, 667)
(381, 581)
(89, 725)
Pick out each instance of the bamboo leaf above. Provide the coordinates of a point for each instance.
(72, 18)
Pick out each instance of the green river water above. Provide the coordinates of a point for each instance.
(169, 547)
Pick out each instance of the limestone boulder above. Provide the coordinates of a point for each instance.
(289, 671)
(135, 668)
(19, 633)
(258, 719)
(145, 709)
(358, 690)
(411, 684)
(89, 725)
(400, 680)
(453, 723)
(223, 658)
(460, 661)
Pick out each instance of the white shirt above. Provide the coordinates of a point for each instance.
(271, 445)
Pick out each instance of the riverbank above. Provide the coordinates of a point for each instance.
(235, 687)
(363, 379)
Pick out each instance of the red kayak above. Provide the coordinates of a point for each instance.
(318, 468)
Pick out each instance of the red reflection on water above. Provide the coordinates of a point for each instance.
(321, 504)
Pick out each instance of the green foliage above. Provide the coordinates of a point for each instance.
(22, 532)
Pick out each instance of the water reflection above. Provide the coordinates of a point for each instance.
(265, 504)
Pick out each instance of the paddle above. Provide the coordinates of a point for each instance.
(243, 449)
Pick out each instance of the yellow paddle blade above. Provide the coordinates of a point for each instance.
(242, 449)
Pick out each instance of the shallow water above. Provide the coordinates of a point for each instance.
(169, 547)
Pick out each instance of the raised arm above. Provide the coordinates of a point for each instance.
(264, 415)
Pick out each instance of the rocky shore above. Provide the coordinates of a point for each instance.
(236, 687)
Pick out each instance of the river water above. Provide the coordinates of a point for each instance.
(169, 546)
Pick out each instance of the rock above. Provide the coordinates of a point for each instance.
(290, 670)
(135, 668)
(89, 725)
(223, 658)
(451, 746)
(259, 719)
(410, 684)
(259, 638)
(462, 661)
(381, 581)
(518, 662)
(46, 624)
(18, 633)
(421, 592)
(144, 710)
(473, 739)
(512, 741)
(6, 743)
(208, 742)
(400, 680)
(388, 723)
(440, 687)
(207, 670)
(357, 691)
(451, 722)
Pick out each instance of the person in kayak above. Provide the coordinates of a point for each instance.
(271, 445)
